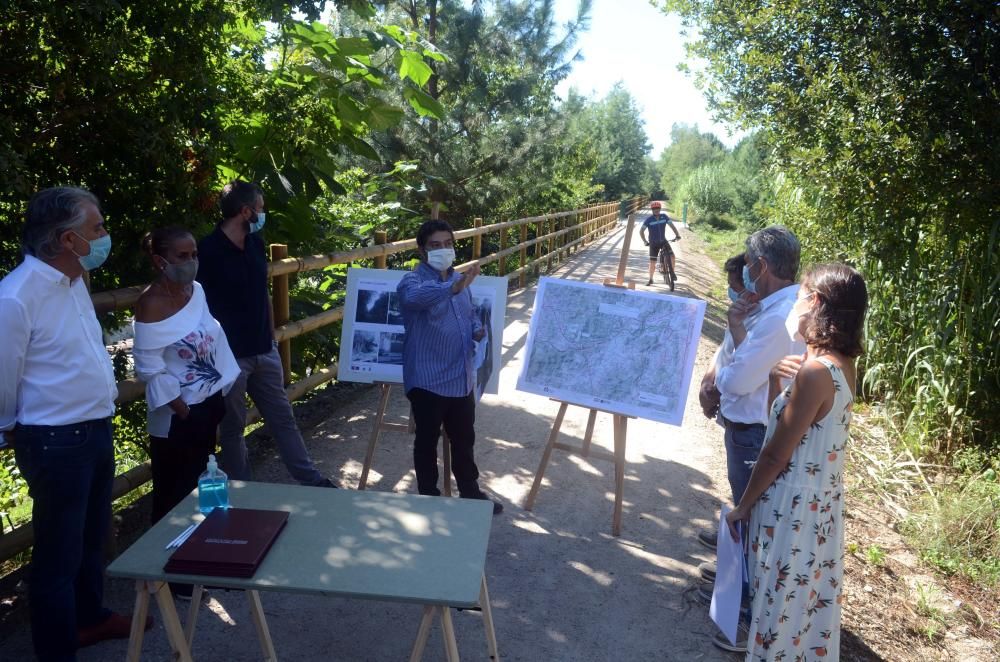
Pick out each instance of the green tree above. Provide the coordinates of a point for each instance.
(154, 105)
(689, 149)
(708, 191)
(491, 153)
(621, 132)
(884, 121)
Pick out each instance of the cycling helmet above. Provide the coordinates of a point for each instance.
(655, 204)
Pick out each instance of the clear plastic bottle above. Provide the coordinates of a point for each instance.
(213, 488)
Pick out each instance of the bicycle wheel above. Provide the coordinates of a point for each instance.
(664, 265)
(671, 275)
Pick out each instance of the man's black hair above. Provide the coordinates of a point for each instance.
(734, 265)
(430, 227)
(236, 195)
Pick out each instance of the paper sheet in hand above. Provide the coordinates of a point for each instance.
(729, 573)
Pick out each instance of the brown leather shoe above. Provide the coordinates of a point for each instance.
(115, 626)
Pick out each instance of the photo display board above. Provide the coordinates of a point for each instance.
(624, 351)
(371, 342)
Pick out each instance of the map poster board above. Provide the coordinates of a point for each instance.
(371, 342)
(614, 349)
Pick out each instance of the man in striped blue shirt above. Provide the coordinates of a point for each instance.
(438, 373)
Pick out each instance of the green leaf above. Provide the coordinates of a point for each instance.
(354, 46)
(383, 116)
(361, 148)
(411, 65)
(423, 103)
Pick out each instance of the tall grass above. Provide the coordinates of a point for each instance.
(934, 343)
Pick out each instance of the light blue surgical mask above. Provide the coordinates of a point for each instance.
(734, 296)
(255, 226)
(100, 248)
(748, 283)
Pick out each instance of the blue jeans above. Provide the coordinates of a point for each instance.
(743, 444)
(69, 470)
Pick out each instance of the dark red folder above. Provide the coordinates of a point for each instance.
(231, 542)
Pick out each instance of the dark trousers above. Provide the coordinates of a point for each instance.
(179, 459)
(458, 415)
(69, 470)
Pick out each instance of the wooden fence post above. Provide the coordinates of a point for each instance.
(380, 238)
(549, 229)
(522, 277)
(503, 247)
(477, 241)
(280, 310)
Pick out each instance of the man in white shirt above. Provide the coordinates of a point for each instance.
(57, 393)
(760, 340)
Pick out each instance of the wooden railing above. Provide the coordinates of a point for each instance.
(556, 236)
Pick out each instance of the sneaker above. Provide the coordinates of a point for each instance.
(115, 626)
(707, 570)
(707, 538)
(742, 634)
(649, 282)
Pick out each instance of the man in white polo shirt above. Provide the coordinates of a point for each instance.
(57, 396)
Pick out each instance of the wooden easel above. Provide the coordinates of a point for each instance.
(380, 426)
(619, 421)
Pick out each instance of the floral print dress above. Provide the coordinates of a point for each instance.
(796, 537)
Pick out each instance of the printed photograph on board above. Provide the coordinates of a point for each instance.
(390, 348)
(373, 335)
(395, 313)
(365, 347)
(483, 361)
(373, 307)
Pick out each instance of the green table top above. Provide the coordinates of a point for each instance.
(371, 545)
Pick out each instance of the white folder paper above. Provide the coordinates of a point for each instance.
(729, 573)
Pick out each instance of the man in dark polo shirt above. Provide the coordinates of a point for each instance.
(233, 271)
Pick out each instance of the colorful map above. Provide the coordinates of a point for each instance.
(618, 350)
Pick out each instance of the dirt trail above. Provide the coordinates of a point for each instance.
(562, 587)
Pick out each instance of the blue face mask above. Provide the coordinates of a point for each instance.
(100, 248)
(734, 296)
(750, 285)
(256, 226)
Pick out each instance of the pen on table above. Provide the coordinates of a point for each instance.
(176, 542)
(187, 534)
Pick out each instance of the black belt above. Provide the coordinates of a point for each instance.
(742, 427)
(68, 427)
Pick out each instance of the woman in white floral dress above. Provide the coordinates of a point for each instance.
(794, 500)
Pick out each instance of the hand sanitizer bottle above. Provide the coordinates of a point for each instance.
(213, 488)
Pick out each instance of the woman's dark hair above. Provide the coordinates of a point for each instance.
(837, 320)
(158, 241)
(430, 227)
(734, 265)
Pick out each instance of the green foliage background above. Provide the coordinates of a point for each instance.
(354, 123)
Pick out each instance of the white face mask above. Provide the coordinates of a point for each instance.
(792, 326)
(792, 321)
(441, 258)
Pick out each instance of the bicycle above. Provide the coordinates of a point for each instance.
(663, 263)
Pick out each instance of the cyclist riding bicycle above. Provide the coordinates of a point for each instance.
(657, 224)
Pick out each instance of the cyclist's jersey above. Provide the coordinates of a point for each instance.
(657, 226)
